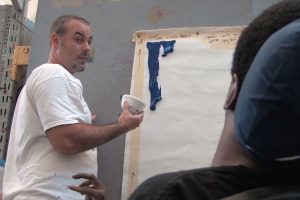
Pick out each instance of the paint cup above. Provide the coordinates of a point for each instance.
(136, 105)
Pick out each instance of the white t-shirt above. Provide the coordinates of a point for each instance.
(34, 170)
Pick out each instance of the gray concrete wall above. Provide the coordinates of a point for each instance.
(109, 76)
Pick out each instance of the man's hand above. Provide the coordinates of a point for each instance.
(94, 117)
(92, 187)
(129, 120)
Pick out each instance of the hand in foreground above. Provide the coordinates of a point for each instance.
(92, 187)
(93, 117)
(129, 120)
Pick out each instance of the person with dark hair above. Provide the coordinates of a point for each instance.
(52, 137)
(260, 142)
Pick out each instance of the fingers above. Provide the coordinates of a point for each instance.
(83, 175)
(91, 179)
(85, 183)
(94, 117)
(90, 192)
(129, 120)
(91, 187)
(125, 105)
(139, 116)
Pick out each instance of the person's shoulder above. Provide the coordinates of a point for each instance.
(49, 70)
(49, 67)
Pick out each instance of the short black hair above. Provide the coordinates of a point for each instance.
(258, 31)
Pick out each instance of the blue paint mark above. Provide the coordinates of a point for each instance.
(153, 66)
(2, 163)
(168, 47)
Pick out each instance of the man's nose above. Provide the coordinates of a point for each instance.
(86, 46)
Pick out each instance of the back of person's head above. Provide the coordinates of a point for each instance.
(259, 30)
(267, 113)
(59, 25)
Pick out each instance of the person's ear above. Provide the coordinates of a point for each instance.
(232, 94)
(54, 39)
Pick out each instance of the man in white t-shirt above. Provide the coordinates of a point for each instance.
(51, 136)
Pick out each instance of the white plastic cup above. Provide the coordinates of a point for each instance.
(136, 105)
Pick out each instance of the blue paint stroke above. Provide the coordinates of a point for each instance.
(168, 47)
(153, 66)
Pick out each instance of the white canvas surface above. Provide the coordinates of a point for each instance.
(182, 133)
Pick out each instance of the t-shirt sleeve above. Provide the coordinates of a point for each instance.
(59, 101)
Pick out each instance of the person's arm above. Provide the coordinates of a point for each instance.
(79, 137)
(91, 187)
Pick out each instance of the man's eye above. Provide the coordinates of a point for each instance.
(78, 40)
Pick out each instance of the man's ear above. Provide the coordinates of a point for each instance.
(54, 39)
(232, 94)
